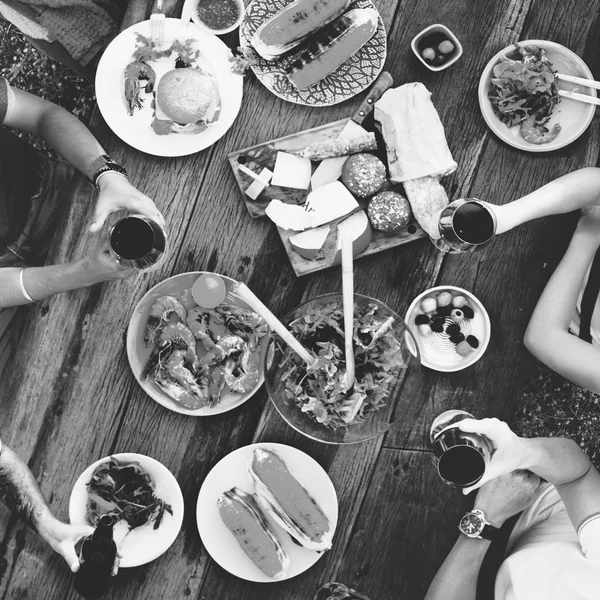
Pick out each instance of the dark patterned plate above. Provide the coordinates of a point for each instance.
(351, 78)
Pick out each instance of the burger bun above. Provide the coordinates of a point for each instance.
(185, 95)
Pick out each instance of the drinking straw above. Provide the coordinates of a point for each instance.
(348, 296)
(243, 292)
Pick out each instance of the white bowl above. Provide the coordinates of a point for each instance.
(574, 116)
(437, 28)
(437, 351)
(196, 19)
(145, 543)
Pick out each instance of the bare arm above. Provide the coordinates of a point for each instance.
(568, 193)
(547, 336)
(21, 493)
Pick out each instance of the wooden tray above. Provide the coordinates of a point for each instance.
(263, 155)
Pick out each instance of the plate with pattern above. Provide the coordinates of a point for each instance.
(351, 78)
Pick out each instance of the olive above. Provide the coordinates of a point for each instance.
(444, 299)
(438, 60)
(421, 320)
(459, 301)
(428, 305)
(452, 329)
(446, 47)
(437, 324)
(457, 338)
(469, 314)
(424, 329)
(457, 314)
(428, 54)
(463, 348)
(472, 341)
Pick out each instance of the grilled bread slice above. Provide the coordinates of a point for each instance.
(243, 518)
(286, 500)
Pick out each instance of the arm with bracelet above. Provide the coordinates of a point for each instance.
(72, 140)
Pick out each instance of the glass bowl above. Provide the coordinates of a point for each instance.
(279, 360)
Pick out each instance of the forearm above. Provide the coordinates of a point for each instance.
(457, 577)
(43, 282)
(568, 193)
(21, 493)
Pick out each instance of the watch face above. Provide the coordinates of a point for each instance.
(471, 524)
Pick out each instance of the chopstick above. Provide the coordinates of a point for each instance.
(590, 83)
(348, 302)
(243, 292)
(579, 97)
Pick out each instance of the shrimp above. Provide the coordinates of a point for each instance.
(223, 349)
(173, 337)
(198, 320)
(241, 321)
(535, 132)
(243, 376)
(159, 316)
(135, 72)
(180, 383)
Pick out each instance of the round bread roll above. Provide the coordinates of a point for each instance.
(184, 95)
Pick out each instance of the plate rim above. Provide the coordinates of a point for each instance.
(485, 106)
(245, 43)
(483, 346)
(161, 150)
(270, 446)
(143, 459)
(171, 404)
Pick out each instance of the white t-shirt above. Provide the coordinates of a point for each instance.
(547, 559)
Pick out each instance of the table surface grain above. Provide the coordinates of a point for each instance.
(69, 397)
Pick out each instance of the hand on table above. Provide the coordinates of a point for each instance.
(102, 265)
(509, 451)
(507, 495)
(116, 193)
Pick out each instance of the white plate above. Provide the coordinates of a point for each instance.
(437, 351)
(232, 471)
(138, 353)
(135, 130)
(573, 116)
(143, 544)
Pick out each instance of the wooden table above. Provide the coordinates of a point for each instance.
(69, 397)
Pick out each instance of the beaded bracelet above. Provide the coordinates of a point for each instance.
(22, 285)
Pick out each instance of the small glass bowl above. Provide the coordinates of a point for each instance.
(196, 19)
(376, 423)
(433, 29)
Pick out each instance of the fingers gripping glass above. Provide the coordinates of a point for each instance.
(138, 242)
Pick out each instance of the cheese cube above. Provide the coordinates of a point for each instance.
(256, 187)
(291, 171)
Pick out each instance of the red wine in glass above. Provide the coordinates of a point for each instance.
(138, 242)
(464, 225)
(338, 591)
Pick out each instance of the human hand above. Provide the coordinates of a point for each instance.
(509, 452)
(116, 193)
(507, 495)
(102, 265)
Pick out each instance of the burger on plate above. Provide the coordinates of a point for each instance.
(187, 101)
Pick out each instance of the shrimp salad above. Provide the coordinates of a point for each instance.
(525, 92)
(199, 354)
(319, 390)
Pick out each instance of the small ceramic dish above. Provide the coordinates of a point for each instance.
(434, 35)
(210, 7)
(437, 345)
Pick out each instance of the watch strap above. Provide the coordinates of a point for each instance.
(489, 532)
(103, 164)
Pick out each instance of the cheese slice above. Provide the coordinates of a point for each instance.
(330, 169)
(291, 171)
(256, 187)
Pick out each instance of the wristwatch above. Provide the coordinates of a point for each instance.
(475, 525)
(104, 164)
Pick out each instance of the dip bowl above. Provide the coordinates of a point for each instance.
(306, 406)
(212, 6)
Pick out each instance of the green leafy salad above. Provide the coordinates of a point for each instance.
(318, 390)
(523, 88)
(125, 491)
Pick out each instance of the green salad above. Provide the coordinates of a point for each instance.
(523, 88)
(318, 390)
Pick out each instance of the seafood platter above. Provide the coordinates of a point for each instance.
(314, 52)
(194, 346)
(267, 512)
(521, 102)
(169, 100)
(378, 184)
(142, 495)
(451, 326)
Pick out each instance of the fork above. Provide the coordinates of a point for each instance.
(157, 24)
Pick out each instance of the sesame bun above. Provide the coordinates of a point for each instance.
(184, 95)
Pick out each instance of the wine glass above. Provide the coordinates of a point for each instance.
(465, 225)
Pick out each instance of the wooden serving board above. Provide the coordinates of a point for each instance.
(263, 155)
